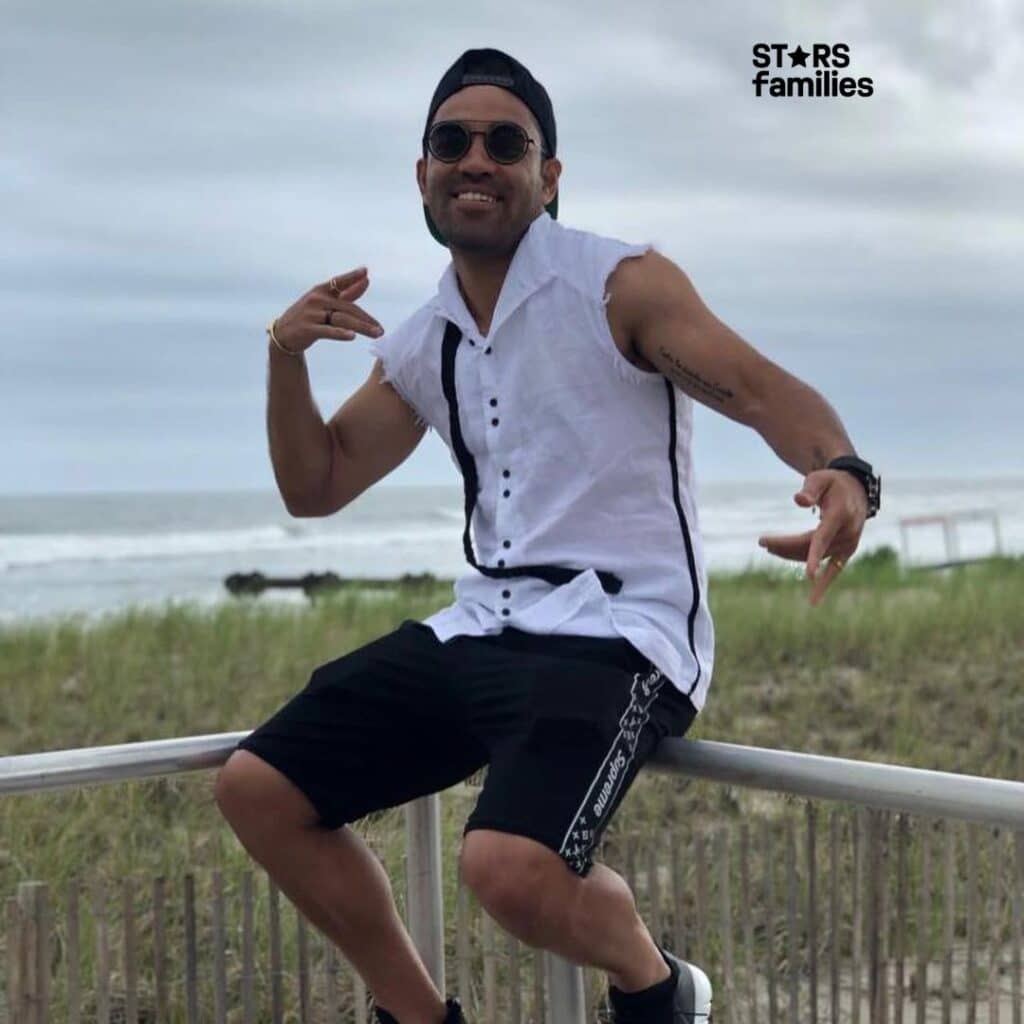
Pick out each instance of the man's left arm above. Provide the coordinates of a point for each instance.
(655, 305)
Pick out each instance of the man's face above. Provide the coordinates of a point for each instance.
(522, 189)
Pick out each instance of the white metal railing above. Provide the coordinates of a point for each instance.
(890, 787)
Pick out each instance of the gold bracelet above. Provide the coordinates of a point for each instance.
(286, 351)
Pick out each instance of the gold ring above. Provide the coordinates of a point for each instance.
(333, 286)
(837, 562)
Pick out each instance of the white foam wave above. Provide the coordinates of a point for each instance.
(22, 551)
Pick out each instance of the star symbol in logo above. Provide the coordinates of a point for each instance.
(798, 56)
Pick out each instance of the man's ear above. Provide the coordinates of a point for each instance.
(550, 172)
(421, 176)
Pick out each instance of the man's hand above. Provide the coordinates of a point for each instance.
(328, 310)
(844, 508)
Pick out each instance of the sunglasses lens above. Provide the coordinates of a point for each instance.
(506, 143)
(448, 141)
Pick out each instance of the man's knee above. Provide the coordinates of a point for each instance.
(514, 877)
(248, 788)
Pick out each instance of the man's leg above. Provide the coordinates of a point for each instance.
(594, 712)
(592, 921)
(334, 879)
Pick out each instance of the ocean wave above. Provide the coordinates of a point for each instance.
(48, 549)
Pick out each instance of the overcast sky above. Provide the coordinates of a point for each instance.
(173, 175)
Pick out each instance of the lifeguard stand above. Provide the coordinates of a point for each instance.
(949, 521)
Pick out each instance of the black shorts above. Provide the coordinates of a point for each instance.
(563, 722)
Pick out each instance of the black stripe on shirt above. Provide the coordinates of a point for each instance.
(694, 583)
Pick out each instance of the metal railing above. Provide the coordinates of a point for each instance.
(888, 787)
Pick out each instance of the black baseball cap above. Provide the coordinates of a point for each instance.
(492, 67)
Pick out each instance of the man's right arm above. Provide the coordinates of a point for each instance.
(320, 468)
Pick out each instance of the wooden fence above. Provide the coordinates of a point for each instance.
(862, 916)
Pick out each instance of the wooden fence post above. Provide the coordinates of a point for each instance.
(35, 935)
(811, 811)
(15, 969)
(725, 905)
(924, 924)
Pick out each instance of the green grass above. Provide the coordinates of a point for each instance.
(925, 669)
(920, 668)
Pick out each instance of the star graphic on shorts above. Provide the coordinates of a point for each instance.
(798, 56)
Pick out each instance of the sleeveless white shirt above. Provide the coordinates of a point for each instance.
(581, 460)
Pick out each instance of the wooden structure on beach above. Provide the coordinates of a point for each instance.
(949, 523)
(313, 583)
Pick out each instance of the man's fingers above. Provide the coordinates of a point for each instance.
(337, 333)
(354, 319)
(815, 485)
(793, 545)
(822, 540)
(821, 584)
(351, 327)
(341, 281)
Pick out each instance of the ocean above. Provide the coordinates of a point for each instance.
(90, 554)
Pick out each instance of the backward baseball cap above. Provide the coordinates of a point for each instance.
(492, 67)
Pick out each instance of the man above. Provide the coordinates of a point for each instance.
(559, 367)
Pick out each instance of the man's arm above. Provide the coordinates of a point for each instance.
(659, 309)
(654, 305)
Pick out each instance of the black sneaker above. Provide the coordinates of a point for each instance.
(691, 1003)
(691, 998)
(453, 1016)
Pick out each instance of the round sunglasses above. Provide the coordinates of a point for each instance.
(505, 141)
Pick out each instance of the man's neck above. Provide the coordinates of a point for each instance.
(480, 280)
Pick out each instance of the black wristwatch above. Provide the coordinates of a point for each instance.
(865, 474)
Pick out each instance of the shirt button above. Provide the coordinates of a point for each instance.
(505, 494)
(494, 422)
(494, 401)
(505, 611)
(506, 543)
(472, 342)
(501, 563)
(505, 473)
(487, 351)
(506, 593)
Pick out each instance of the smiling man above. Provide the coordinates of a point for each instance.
(559, 366)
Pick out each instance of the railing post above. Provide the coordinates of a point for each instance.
(424, 888)
(566, 1002)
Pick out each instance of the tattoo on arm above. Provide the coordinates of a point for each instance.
(688, 380)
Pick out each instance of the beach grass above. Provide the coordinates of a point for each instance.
(919, 668)
(905, 667)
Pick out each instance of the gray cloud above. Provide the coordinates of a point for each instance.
(172, 176)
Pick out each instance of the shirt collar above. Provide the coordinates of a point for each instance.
(531, 267)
